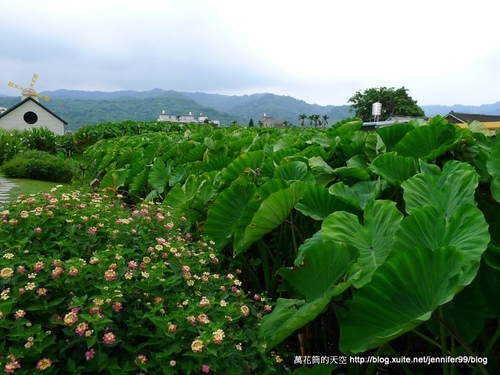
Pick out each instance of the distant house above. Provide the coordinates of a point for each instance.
(28, 114)
(491, 122)
(187, 119)
(269, 122)
(371, 125)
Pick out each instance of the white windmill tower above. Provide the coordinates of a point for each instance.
(30, 91)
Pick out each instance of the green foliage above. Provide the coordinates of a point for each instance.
(41, 139)
(10, 145)
(330, 221)
(89, 134)
(66, 144)
(493, 165)
(413, 284)
(88, 286)
(395, 102)
(39, 165)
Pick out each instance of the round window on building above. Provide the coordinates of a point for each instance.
(30, 117)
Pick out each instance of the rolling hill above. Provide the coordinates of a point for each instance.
(91, 107)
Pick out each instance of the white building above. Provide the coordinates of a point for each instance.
(187, 119)
(28, 114)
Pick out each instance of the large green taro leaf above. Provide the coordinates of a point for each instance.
(275, 159)
(315, 240)
(114, 179)
(184, 200)
(427, 227)
(492, 256)
(359, 194)
(354, 144)
(251, 208)
(394, 168)
(428, 142)
(391, 135)
(158, 175)
(493, 165)
(325, 265)
(139, 183)
(318, 203)
(374, 238)
(346, 126)
(272, 212)
(294, 171)
(374, 146)
(318, 280)
(402, 294)
(246, 162)
(288, 316)
(291, 314)
(453, 187)
(194, 154)
(226, 211)
(216, 163)
(352, 173)
(319, 166)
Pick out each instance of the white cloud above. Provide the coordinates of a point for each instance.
(444, 52)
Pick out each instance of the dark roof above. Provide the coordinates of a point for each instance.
(464, 118)
(36, 102)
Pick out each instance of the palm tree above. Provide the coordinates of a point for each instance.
(315, 119)
(325, 120)
(302, 117)
(311, 119)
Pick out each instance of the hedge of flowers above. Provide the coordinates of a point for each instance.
(90, 285)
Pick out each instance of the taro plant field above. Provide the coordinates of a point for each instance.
(190, 249)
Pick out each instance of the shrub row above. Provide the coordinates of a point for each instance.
(39, 165)
(41, 139)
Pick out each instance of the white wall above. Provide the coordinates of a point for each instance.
(15, 119)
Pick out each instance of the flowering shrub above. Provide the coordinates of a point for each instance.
(41, 139)
(88, 285)
(10, 144)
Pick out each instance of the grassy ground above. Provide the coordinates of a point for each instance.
(27, 186)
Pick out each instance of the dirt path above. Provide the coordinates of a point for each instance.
(5, 186)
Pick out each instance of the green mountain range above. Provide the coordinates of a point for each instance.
(80, 108)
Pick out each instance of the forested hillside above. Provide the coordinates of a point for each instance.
(80, 108)
(79, 112)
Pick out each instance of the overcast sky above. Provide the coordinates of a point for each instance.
(321, 51)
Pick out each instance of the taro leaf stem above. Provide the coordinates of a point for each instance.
(457, 337)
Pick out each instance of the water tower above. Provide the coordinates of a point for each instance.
(376, 110)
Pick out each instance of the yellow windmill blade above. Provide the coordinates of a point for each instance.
(30, 91)
(16, 86)
(44, 97)
(33, 80)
